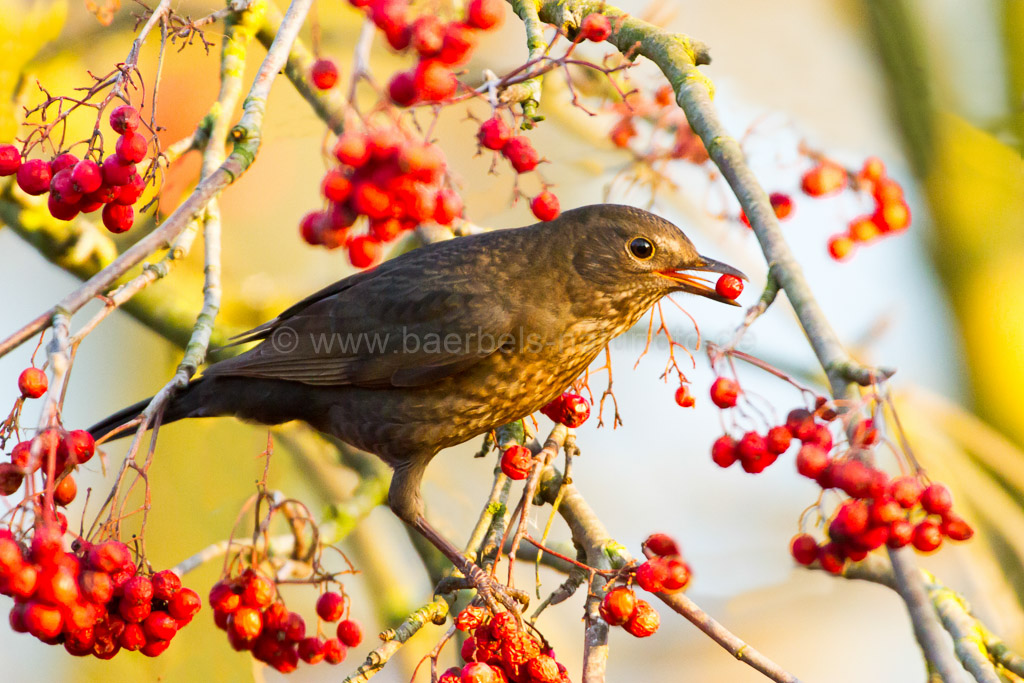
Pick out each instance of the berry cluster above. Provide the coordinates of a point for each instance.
(891, 215)
(248, 609)
(93, 602)
(754, 451)
(84, 185)
(569, 409)
(496, 135)
(392, 180)
(673, 139)
(69, 449)
(664, 571)
(439, 46)
(621, 607)
(500, 651)
(879, 511)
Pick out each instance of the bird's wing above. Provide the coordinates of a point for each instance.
(379, 330)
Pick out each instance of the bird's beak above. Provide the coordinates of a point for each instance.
(694, 284)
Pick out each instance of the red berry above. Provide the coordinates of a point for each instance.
(42, 621)
(109, 556)
(906, 491)
(485, 14)
(246, 623)
(729, 286)
(10, 160)
(363, 250)
(887, 191)
(956, 528)
(618, 605)
(457, 44)
(811, 461)
(660, 545)
(825, 178)
(137, 590)
(125, 119)
(130, 192)
(64, 492)
(684, 398)
(873, 170)
(330, 606)
(478, 672)
(311, 650)
(782, 204)
(448, 206)
(651, 574)
(77, 447)
(427, 35)
(644, 622)
(840, 247)
(352, 149)
(892, 216)
(723, 451)
(470, 618)
(862, 230)
(32, 383)
(224, 597)
(23, 582)
(116, 171)
(677, 574)
(927, 536)
(936, 499)
(804, 549)
(595, 27)
(350, 633)
(131, 148)
(334, 651)
(434, 81)
(545, 206)
(86, 176)
(62, 161)
(724, 392)
(544, 669)
(521, 154)
(118, 218)
(778, 440)
(570, 410)
(494, 133)
(853, 477)
(402, 89)
(324, 73)
(184, 605)
(160, 626)
(901, 533)
(34, 177)
(516, 462)
(60, 210)
(831, 559)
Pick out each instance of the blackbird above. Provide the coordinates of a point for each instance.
(449, 341)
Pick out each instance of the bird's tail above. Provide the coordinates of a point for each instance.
(189, 402)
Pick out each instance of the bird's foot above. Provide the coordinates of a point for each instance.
(495, 594)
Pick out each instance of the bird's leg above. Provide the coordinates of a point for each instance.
(404, 500)
(489, 588)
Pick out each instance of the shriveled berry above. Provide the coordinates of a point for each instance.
(516, 462)
(644, 622)
(478, 672)
(324, 73)
(470, 618)
(521, 154)
(618, 605)
(543, 669)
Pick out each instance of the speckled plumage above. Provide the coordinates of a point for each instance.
(555, 293)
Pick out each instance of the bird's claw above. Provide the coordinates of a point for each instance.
(495, 594)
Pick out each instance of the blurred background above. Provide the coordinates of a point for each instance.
(933, 87)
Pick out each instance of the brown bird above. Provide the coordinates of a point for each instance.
(449, 341)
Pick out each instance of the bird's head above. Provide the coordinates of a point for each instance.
(629, 251)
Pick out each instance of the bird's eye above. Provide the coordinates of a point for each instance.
(641, 248)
